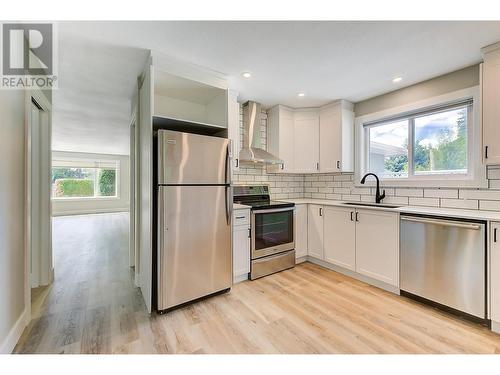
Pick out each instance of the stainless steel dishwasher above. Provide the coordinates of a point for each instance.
(444, 260)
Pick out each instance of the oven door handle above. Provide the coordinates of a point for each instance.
(271, 210)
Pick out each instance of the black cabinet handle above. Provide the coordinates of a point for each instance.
(495, 235)
(486, 152)
(321, 211)
(351, 216)
(237, 163)
(282, 166)
(357, 218)
(249, 233)
(338, 164)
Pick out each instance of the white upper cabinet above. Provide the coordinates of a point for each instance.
(312, 140)
(336, 141)
(280, 138)
(491, 104)
(180, 98)
(306, 136)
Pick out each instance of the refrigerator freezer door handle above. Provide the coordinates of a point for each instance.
(228, 165)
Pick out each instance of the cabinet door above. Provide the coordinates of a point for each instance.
(377, 245)
(306, 141)
(300, 230)
(495, 272)
(241, 250)
(491, 107)
(330, 141)
(315, 231)
(286, 139)
(340, 236)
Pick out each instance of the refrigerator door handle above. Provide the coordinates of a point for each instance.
(229, 205)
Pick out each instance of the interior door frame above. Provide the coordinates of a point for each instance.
(132, 197)
(45, 219)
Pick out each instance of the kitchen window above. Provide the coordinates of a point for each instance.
(84, 179)
(436, 145)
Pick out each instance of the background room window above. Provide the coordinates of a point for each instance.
(84, 179)
(428, 144)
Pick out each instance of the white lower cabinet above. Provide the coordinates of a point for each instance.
(377, 245)
(340, 237)
(495, 275)
(360, 240)
(300, 229)
(315, 231)
(241, 245)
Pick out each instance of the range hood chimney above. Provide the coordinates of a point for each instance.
(252, 146)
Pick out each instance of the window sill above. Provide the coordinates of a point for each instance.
(424, 183)
(83, 199)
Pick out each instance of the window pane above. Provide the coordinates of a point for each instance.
(440, 145)
(73, 182)
(107, 183)
(389, 149)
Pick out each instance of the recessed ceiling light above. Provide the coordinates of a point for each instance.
(246, 74)
(397, 79)
(301, 94)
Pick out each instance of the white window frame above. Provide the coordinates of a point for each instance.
(476, 176)
(77, 164)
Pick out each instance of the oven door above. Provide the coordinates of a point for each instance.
(272, 231)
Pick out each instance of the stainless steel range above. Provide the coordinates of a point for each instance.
(272, 230)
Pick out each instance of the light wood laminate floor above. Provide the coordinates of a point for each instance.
(94, 307)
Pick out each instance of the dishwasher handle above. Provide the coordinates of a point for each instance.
(446, 223)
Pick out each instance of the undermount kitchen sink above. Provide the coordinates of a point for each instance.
(371, 204)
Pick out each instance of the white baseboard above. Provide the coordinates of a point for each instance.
(354, 275)
(495, 326)
(301, 259)
(240, 278)
(8, 345)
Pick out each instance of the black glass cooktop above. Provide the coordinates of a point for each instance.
(261, 205)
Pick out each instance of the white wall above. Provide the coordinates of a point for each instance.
(12, 190)
(80, 206)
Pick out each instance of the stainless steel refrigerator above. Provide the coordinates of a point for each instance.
(194, 217)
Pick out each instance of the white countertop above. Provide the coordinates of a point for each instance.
(437, 211)
(237, 206)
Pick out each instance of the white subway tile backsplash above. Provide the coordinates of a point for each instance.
(352, 198)
(489, 205)
(441, 193)
(396, 200)
(480, 194)
(431, 202)
(460, 203)
(409, 192)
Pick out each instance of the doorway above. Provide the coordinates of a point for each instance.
(39, 264)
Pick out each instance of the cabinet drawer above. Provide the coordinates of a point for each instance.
(241, 217)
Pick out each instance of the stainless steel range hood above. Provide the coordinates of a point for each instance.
(252, 146)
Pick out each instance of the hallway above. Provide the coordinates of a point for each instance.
(92, 283)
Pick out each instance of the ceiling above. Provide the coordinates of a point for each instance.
(99, 62)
